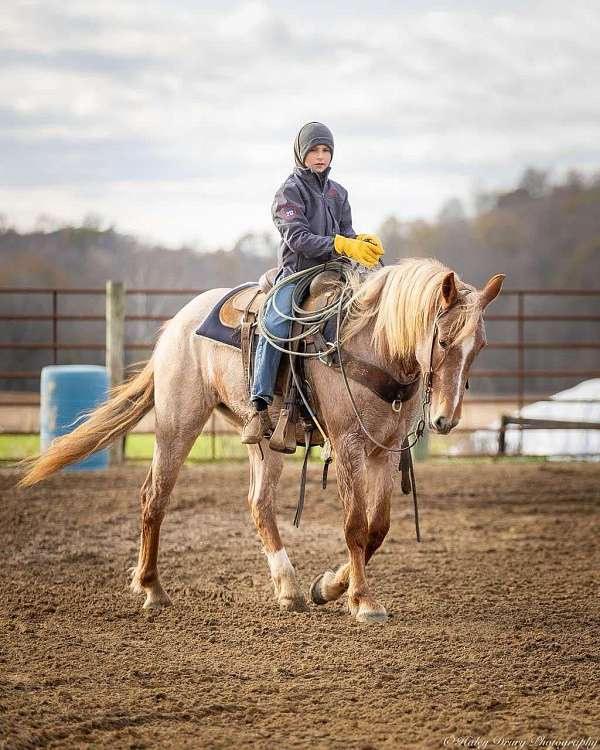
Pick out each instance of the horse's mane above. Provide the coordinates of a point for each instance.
(403, 300)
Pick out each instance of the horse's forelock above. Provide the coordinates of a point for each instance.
(464, 315)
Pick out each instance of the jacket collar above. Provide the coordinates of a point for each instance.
(313, 179)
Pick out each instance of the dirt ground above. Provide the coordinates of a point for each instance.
(492, 638)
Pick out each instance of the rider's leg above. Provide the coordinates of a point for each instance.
(267, 359)
(266, 364)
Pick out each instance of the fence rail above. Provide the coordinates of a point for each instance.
(520, 345)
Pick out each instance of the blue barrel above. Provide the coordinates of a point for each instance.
(67, 392)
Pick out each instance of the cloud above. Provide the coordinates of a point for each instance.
(195, 106)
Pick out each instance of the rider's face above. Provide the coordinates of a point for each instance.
(318, 158)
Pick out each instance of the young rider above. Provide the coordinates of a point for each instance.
(313, 216)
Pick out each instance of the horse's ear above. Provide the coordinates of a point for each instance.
(491, 290)
(449, 292)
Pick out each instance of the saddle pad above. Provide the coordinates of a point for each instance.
(212, 326)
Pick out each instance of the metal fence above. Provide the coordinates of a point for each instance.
(518, 318)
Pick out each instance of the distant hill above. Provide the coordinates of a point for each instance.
(88, 256)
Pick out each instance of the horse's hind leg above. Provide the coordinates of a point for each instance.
(182, 406)
(170, 452)
(264, 477)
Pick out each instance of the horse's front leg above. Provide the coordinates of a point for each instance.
(380, 474)
(351, 466)
(264, 477)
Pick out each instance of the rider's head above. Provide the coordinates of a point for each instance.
(313, 146)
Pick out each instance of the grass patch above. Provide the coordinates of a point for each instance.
(16, 447)
(139, 446)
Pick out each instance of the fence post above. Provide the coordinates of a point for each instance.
(521, 362)
(502, 436)
(115, 348)
(55, 326)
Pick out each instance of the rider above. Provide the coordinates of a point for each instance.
(313, 216)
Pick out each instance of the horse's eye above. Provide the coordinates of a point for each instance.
(443, 343)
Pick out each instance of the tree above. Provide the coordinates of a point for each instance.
(392, 236)
(451, 211)
(534, 182)
(575, 181)
(93, 221)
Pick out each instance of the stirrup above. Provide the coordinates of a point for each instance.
(283, 439)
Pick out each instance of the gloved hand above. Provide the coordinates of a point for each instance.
(364, 252)
(373, 239)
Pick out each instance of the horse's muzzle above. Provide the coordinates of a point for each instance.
(442, 425)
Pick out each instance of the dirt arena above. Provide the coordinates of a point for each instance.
(492, 638)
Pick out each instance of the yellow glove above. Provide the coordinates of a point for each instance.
(373, 239)
(359, 250)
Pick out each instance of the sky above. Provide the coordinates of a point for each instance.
(175, 121)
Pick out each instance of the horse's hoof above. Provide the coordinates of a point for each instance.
(293, 604)
(315, 592)
(161, 603)
(157, 598)
(369, 615)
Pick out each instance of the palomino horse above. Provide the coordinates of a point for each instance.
(395, 321)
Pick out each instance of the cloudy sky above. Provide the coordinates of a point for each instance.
(175, 120)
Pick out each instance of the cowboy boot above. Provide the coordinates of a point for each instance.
(256, 426)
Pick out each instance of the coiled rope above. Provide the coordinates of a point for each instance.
(310, 322)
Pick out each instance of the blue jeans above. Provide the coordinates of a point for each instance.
(267, 358)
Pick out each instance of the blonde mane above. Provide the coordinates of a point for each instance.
(402, 300)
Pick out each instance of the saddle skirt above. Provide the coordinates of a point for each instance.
(244, 301)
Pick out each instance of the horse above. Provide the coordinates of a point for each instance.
(414, 317)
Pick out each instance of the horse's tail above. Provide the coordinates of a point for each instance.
(127, 404)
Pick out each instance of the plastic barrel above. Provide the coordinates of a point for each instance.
(67, 392)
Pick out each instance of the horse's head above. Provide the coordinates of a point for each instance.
(457, 337)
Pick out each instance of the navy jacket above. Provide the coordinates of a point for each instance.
(309, 210)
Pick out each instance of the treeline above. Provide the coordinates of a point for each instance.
(540, 234)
